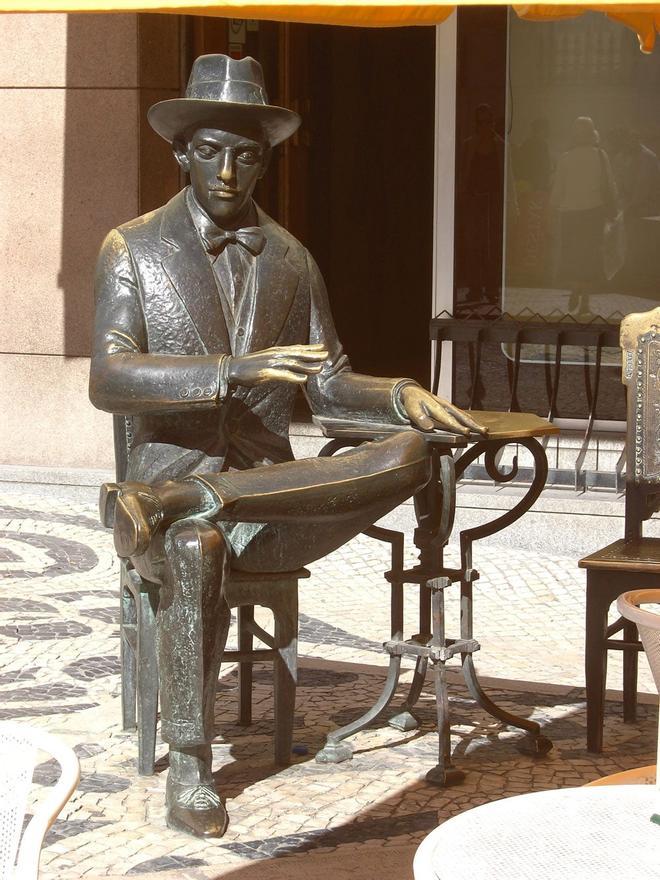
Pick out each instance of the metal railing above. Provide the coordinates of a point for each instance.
(516, 331)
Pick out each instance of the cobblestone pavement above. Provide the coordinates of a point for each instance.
(60, 671)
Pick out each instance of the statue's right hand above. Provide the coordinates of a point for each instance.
(282, 363)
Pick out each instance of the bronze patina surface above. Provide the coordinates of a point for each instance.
(209, 316)
(498, 426)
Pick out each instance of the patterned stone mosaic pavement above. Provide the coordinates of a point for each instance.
(59, 637)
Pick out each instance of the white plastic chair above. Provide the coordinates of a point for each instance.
(19, 747)
(648, 626)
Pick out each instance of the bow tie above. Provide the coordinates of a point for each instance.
(251, 238)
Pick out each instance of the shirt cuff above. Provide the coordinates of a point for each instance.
(397, 405)
(223, 377)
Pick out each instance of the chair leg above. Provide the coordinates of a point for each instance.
(147, 686)
(128, 660)
(598, 603)
(630, 659)
(396, 610)
(245, 643)
(285, 613)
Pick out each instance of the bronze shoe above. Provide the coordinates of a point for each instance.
(195, 809)
(134, 512)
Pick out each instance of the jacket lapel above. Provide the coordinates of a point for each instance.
(191, 275)
(265, 307)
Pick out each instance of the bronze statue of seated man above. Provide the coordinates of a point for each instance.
(209, 316)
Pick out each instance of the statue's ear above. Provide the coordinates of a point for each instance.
(180, 150)
(265, 161)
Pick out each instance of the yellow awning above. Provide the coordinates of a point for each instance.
(644, 19)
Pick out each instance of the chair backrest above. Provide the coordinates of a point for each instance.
(648, 626)
(19, 747)
(640, 344)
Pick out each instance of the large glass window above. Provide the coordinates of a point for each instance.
(582, 232)
(558, 190)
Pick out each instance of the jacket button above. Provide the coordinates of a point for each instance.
(241, 331)
(184, 392)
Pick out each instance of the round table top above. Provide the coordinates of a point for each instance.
(591, 833)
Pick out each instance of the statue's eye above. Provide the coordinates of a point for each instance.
(205, 152)
(248, 156)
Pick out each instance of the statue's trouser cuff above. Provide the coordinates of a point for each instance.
(214, 503)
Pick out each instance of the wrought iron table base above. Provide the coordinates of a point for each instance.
(435, 508)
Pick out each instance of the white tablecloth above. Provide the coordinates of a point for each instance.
(570, 834)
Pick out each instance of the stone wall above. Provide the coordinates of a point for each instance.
(73, 90)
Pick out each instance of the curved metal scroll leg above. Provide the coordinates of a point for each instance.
(335, 751)
(535, 743)
(406, 718)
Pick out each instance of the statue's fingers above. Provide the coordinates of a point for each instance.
(310, 353)
(300, 366)
(419, 417)
(443, 417)
(304, 360)
(287, 376)
(302, 352)
(465, 418)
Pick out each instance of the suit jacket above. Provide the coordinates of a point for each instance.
(160, 328)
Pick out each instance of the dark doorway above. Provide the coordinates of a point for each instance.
(355, 185)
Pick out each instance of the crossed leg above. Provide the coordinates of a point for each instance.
(276, 518)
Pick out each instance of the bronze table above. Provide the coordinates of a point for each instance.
(435, 507)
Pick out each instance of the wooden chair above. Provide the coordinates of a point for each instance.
(277, 591)
(634, 561)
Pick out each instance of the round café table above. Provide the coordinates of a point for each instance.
(568, 834)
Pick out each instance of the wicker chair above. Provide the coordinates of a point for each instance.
(648, 626)
(19, 747)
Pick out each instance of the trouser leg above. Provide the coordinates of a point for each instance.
(375, 477)
(193, 620)
(332, 505)
(326, 489)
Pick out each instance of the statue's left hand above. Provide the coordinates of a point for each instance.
(426, 411)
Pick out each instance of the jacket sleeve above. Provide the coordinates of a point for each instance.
(338, 392)
(126, 379)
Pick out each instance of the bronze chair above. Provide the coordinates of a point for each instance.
(139, 662)
(634, 561)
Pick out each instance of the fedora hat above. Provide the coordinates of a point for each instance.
(228, 93)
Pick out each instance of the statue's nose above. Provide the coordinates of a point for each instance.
(226, 170)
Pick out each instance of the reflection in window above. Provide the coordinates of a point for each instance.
(582, 234)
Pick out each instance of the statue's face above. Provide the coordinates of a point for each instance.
(224, 169)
